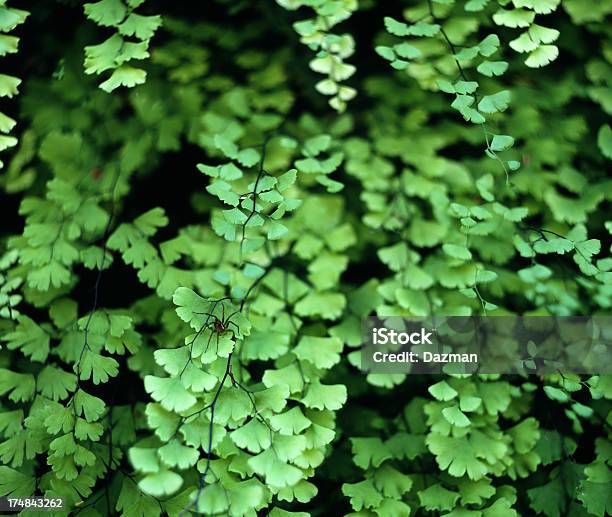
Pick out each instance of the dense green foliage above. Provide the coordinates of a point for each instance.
(201, 203)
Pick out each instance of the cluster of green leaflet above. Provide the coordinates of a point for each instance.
(466, 178)
(9, 19)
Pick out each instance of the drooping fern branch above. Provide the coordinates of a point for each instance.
(9, 19)
(118, 50)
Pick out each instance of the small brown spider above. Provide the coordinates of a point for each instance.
(219, 326)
